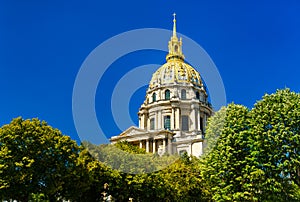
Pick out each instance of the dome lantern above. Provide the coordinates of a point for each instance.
(175, 70)
(175, 45)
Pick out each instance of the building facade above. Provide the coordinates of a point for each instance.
(173, 117)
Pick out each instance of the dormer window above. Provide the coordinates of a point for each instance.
(152, 124)
(153, 97)
(167, 95)
(197, 95)
(167, 123)
(183, 94)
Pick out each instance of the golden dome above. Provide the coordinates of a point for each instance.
(175, 70)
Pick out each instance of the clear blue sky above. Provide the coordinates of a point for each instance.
(254, 44)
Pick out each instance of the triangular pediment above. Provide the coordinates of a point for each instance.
(132, 131)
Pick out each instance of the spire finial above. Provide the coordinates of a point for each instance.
(174, 25)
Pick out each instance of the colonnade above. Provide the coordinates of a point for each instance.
(152, 145)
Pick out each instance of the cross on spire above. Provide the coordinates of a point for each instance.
(174, 25)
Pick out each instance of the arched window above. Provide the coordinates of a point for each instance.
(183, 94)
(167, 123)
(184, 123)
(197, 95)
(201, 98)
(153, 97)
(167, 95)
(176, 48)
(152, 124)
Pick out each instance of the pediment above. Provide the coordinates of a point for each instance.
(133, 131)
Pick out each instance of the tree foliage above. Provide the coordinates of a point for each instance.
(213, 132)
(179, 181)
(127, 158)
(256, 157)
(95, 175)
(251, 155)
(36, 158)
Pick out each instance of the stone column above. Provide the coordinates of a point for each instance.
(158, 119)
(154, 146)
(141, 144)
(177, 115)
(173, 120)
(198, 120)
(158, 95)
(169, 146)
(140, 123)
(193, 117)
(147, 124)
(145, 121)
(204, 122)
(147, 145)
(164, 145)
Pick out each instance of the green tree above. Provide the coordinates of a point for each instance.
(224, 162)
(184, 181)
(275, 144)
(256, 157)
(213, 132)
(96, 175)
(180, 181)
(36, 159)
(127, 158)
(127, 147)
